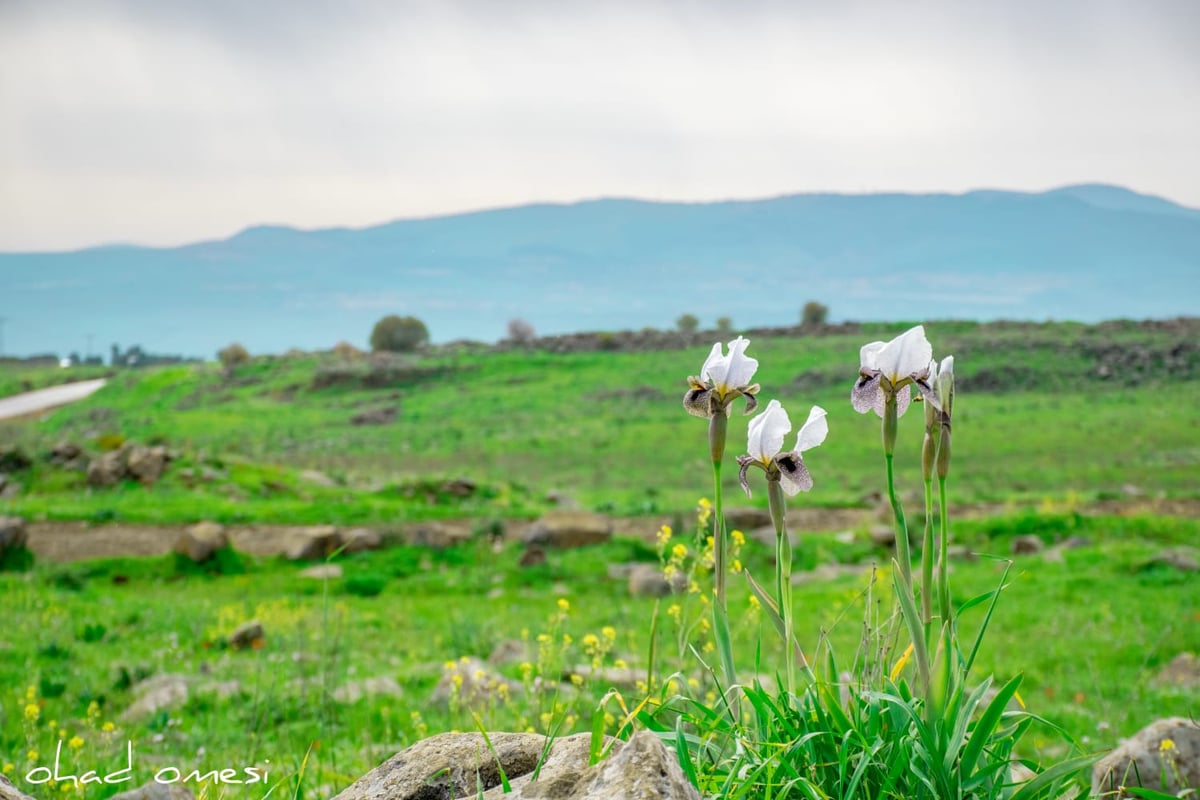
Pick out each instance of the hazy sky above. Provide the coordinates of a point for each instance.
(162, 122)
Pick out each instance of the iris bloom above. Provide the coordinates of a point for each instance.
(889, 369)
(723, 378)
(765, 440)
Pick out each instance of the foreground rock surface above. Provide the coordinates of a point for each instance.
(567, 529)
(1164, 756)
(458, 765)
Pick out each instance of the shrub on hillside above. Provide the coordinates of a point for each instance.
(521, 331)
(398, 334)
(233, 355)
(814, 313)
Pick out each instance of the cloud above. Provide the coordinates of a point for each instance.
(170, 122)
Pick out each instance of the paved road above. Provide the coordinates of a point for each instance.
(32, 402)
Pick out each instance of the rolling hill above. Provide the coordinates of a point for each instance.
(1082, 252)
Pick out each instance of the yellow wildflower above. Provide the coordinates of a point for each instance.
(75, 743)
(32, 711)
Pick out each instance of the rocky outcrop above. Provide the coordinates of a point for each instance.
(459, 765)
(1163, 756)
(200, 541)
(310, 544)
(570, 529)
(129, 462)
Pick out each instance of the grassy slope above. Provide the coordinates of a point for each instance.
(607, 428)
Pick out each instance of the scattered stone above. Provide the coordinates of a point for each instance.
(323, 572)
(532, 556)
(248, 634)
(607, 677)
(12, 533)
(826, 572)
(1180, 558)
(368, 687)
(472, 683)
(13, 459)
(146, 464)
(310, 544)
(1027, 544)
(318, 478)
(562, 500)
(747, 519)
(153, 790)
(155, 694)
(1163, 756)
(459, 487)
(882, 535)
(510, 651)
(358, 540)
(375, 416)
(568, 529)
(1182, 672)
(67, 455)
(960, 552)
(106, 469)
(647, 580)
(439, 534)
(198, 542)
(1075, 542)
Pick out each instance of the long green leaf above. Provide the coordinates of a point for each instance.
(982, 731)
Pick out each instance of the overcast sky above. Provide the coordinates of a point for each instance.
(164, 122)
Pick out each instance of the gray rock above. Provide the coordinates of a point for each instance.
(438, 535)
(375, 416)
(106, 469)
(146, 464)
(317, 478)
(747, 519)
(1027, 544)
(198, 542)
(310, 544)
(570, 529)
(473, 683)
(1180, 558)
(12, 533)
(323, 572)
(532, 556)
(448, 766)
(1182, 672)
(457, 765)
(1145, 760)
(511, 651)
(155, 694)
(153, 790)
(10, 792)
(246, 635)
(66, 454)
(358, 540)
(882, 535)
(647, 580)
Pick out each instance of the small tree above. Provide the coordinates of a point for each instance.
(233, 355)
(688, 323)
(398, 334)
(521, 331)
(813, 313)
(724, 325)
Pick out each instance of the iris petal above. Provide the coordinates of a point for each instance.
(767, 431)
(813, 431)
(794, 477)
(867, 395)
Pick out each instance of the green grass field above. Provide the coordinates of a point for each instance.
(1050, 420)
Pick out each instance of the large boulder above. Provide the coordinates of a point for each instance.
(357, 540)
(457, 765)
(309, 544)
(12, 533)
(10, 792)
(438, 534)
(570, 529)
(152, 695)
(106, 469)
(146, 464)
(1163, 756)
(198, 542)
(153, 790)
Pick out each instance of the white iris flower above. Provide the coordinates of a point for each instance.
(765, 440)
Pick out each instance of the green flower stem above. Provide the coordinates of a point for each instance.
(717, 428)
(902, 552)
(927, 562)
(943, 556)
(783, 575)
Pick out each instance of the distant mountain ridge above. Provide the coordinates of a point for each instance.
(1085, 252)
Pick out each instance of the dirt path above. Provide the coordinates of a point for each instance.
(32, 402)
